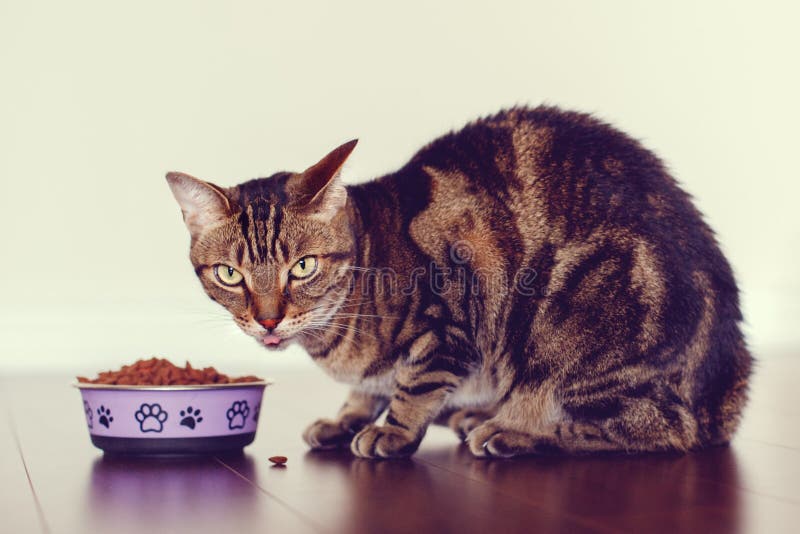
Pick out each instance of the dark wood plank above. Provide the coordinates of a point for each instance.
(354, 495)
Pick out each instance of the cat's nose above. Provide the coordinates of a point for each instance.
(270, 323)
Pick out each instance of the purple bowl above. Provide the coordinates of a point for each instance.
(205, 419)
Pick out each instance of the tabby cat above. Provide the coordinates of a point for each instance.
(536, 281)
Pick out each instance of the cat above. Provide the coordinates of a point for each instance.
(536, 281)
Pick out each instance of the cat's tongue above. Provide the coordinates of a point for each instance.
(271, 339)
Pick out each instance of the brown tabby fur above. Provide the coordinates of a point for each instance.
(537, 281)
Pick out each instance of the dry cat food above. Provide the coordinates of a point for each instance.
(162, 372)
(278, 460)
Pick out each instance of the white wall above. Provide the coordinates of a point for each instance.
(99, 99)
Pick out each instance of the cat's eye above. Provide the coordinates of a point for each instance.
(227, 275)
(304, 267)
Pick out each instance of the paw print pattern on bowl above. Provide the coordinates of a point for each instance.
(191, 417)
(151, 417)
(87, 409)
(158, 420)
(105, 416)
(237, 414)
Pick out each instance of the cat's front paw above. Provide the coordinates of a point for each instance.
(326, 434)
(384, 442)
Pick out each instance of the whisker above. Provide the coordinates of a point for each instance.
(347, 327)
(362, 315)
(331, 332)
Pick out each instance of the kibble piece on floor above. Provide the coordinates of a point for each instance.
(278, 460)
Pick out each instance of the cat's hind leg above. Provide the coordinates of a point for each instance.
(465, 420)
(537, 423)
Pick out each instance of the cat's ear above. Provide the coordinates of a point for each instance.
(203, 204)
(318, 190)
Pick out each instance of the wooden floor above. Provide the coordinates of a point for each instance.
(53, 480)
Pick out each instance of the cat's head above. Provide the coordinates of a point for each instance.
(275, 252)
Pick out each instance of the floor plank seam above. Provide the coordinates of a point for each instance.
(39, 510)
(274, 497)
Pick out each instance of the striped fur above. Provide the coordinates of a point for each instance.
(537, 281)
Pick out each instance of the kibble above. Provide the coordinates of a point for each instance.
(162, 372)
(278, 460)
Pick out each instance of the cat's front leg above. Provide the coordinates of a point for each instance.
(359, 409)
(423, 382)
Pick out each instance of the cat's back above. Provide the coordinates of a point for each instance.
(579, 171)
(528, 176)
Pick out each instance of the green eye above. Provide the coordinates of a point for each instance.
(304, 268)
(227, 275)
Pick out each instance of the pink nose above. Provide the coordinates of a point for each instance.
(270, 323)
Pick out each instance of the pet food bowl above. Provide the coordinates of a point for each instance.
(193, 419)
